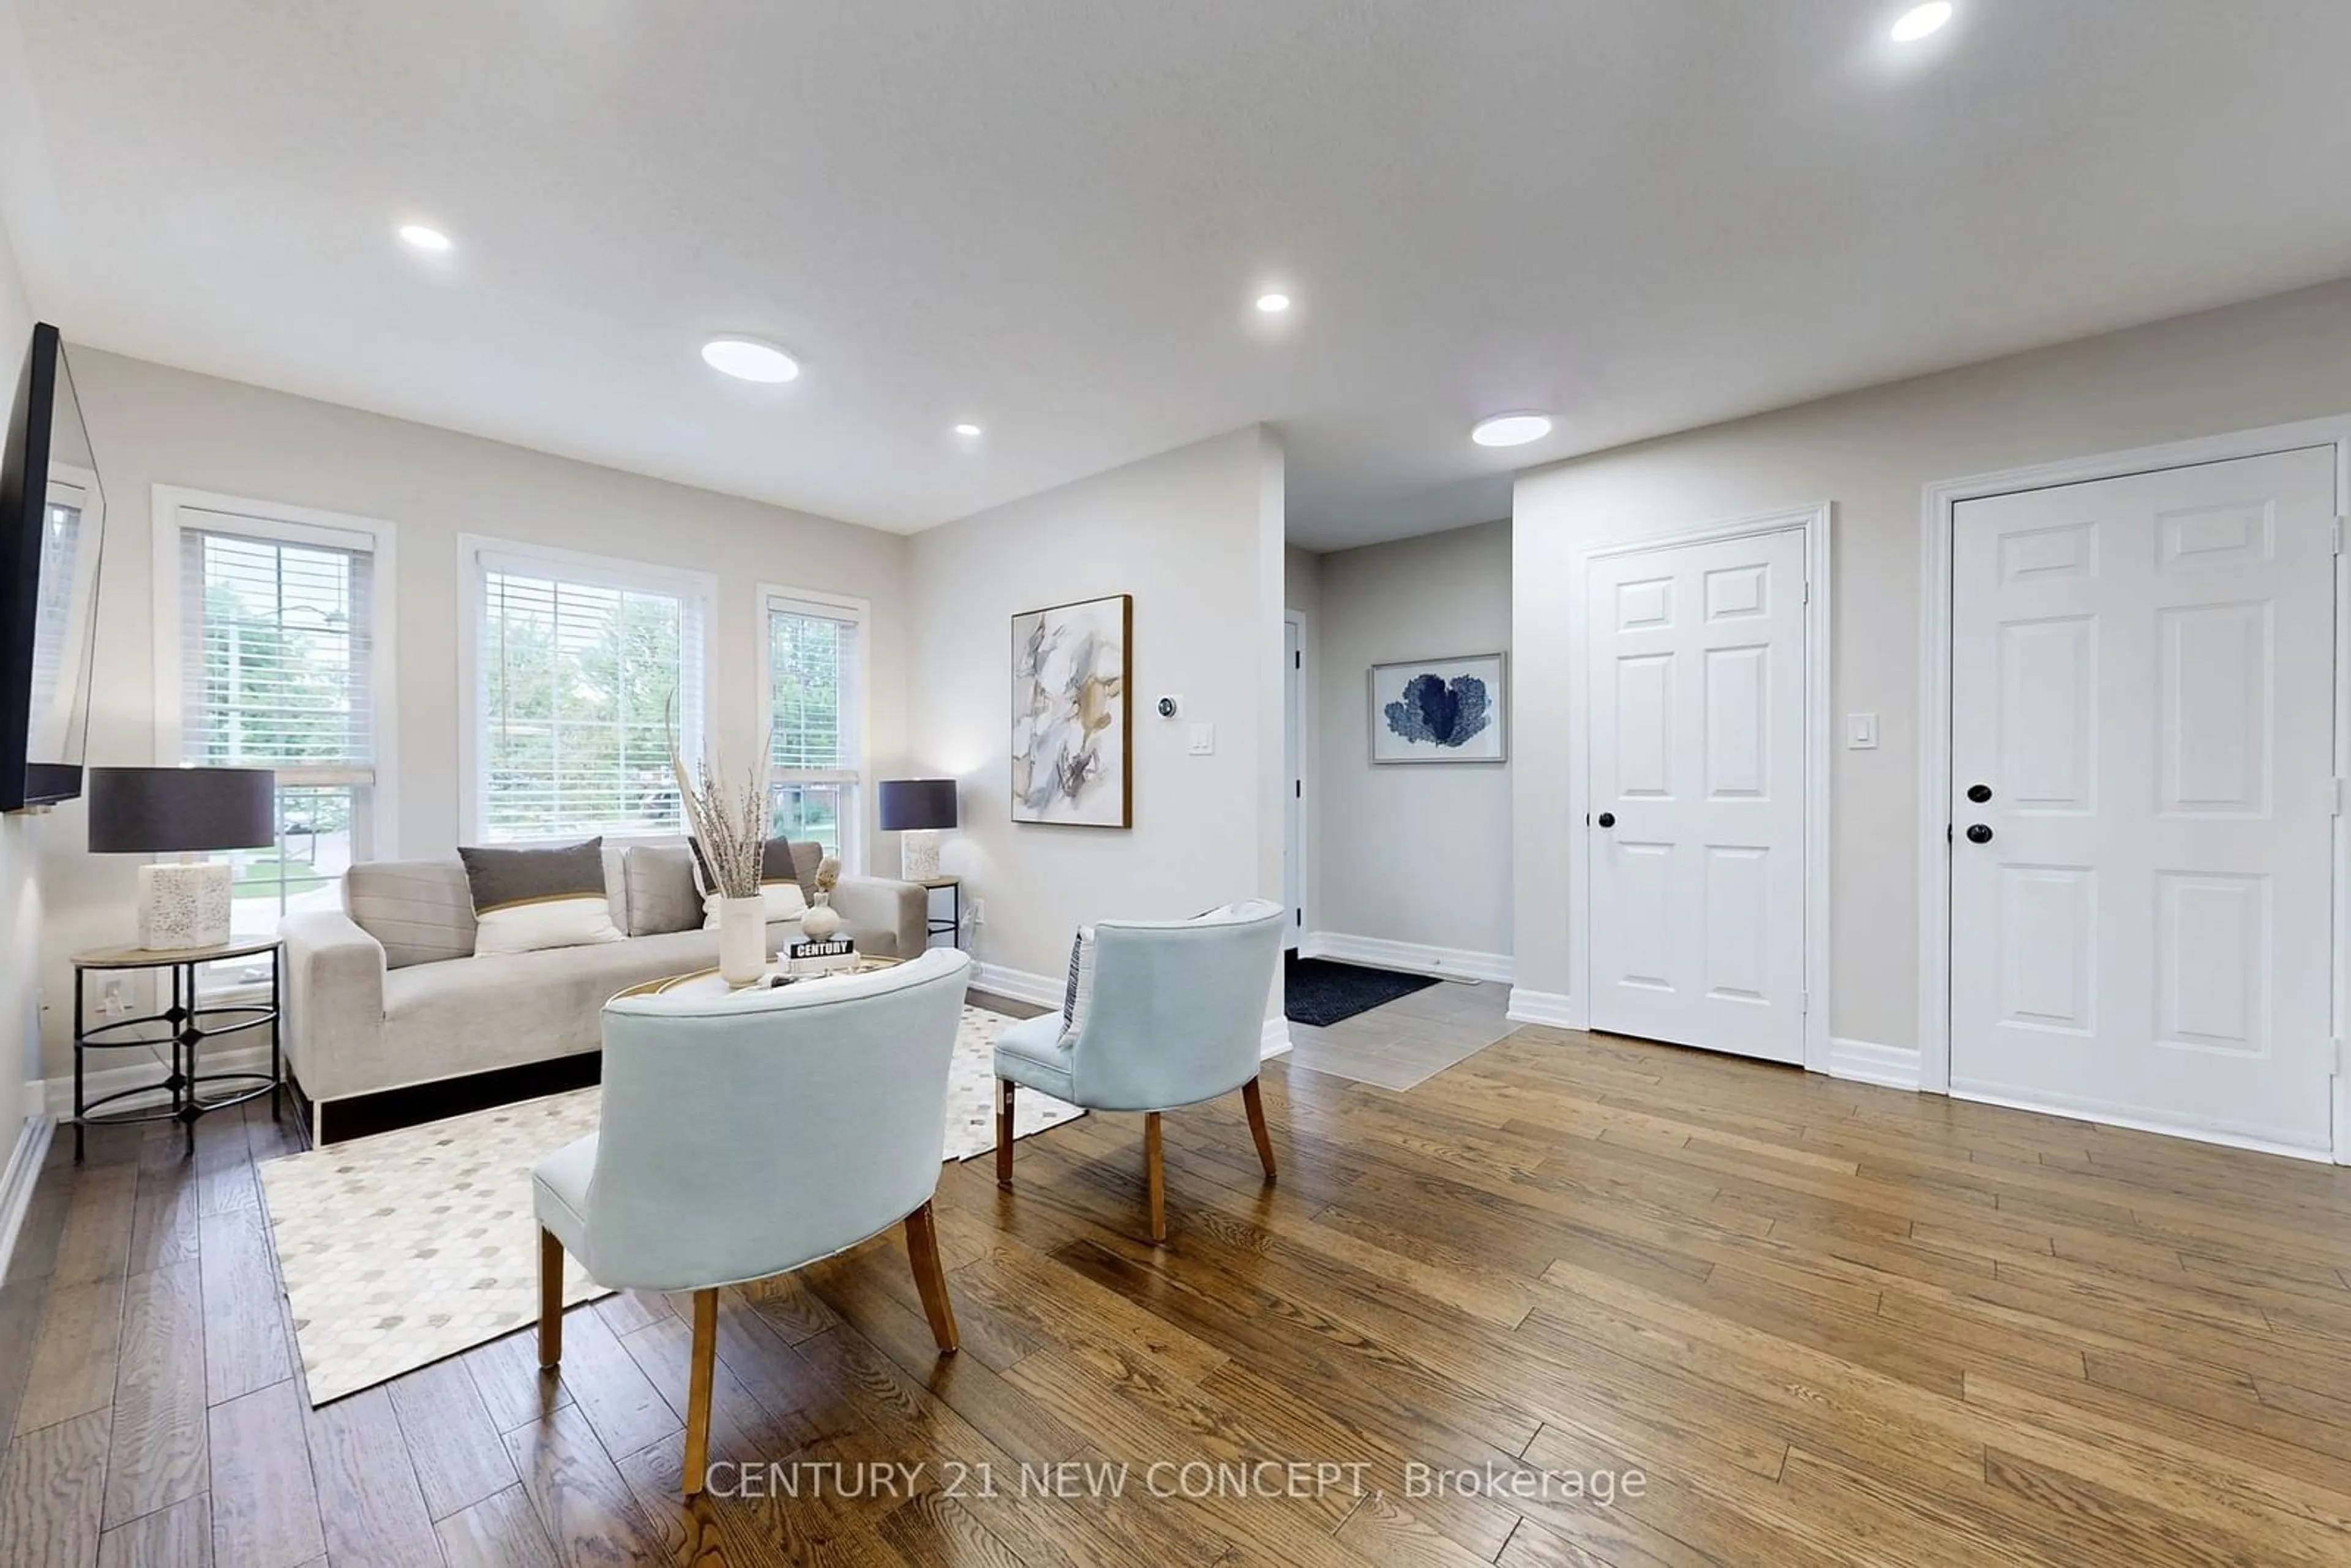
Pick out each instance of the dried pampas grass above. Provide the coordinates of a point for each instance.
(730, 825)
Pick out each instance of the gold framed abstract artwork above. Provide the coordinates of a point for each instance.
(1073, 713)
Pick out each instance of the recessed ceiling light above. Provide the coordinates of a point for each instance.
(749, 360)
(1916, 23)
(967, 430)
(424, 238)
(1510, 429)
(1272, 304)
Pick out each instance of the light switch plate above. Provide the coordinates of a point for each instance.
(1204, 740)
(1861, 732)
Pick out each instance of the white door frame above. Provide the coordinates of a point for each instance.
(1813, 521)
(1298, 678)
(1939, 499)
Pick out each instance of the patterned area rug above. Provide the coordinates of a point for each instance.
(398, 1250)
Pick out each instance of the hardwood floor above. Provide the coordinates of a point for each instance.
(1826, 1323)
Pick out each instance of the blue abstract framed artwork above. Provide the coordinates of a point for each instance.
(1439, 710)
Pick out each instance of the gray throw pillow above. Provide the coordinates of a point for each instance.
(659, 879)
(781, 859)
(1078, 997)
(799, 860)
(421, 911)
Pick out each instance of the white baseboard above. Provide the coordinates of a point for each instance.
(2103, 1118)
(1038, 991)
(1414, 957)
(56, 1093)
(1894, 1066)
(1275, 1041)
(1555, 1010)
(23, 1174)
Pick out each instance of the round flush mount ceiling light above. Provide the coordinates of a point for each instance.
(1917, 22)
(967, 430)
(1510, 429)
(1272, 304)
(749, 360)
(425, 238)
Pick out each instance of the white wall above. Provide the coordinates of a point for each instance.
(1189, 534)
(150, 425)
(20, 834)
(1870, 453)
(1419, 854)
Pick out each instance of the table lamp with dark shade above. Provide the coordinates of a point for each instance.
(186, 811)
(917, 809)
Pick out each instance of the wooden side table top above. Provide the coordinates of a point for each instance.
(937, 880)
(161, 957)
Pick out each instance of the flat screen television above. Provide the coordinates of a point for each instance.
(52, 526)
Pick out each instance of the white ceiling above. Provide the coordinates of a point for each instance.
(1050, 216)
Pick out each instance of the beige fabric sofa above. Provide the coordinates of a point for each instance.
(378, 998)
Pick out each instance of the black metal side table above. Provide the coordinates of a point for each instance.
(951, 927)
(184, 1026)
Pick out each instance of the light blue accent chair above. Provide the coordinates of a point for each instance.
(749, 1134)
(1178, 1017)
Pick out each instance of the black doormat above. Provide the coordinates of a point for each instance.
(1319, 992)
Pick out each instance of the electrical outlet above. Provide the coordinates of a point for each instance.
(1204, 740)
(980, 912)
(112, 1000)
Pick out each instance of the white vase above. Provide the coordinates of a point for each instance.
(822, 922)
(742, 940)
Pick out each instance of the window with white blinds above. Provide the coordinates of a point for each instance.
(816, 749)
(278, 669)
(583, 667)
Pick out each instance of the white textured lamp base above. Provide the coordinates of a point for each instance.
(918, 855)
(183, 906)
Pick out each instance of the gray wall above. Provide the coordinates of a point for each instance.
(152, 425)
(1416, 853)
(1870, 453)
(1189, 535)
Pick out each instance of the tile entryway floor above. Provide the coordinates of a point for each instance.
(1408, 1041)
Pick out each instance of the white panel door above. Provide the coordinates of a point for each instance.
(1697, 827)
(2142, 795)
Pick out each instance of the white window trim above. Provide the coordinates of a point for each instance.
(284, 524)
(857, 833)
(479, 552)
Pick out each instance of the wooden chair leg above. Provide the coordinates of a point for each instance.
(550, 1297)
(1255, 1104)
(1153, 1176)
(697, 1389)
(1004, 1132)
(931, 1279)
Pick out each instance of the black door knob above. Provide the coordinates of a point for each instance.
(1607, 819)
(1978, 793)
(1978, 834)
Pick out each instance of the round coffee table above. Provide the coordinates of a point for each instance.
(707, 983)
